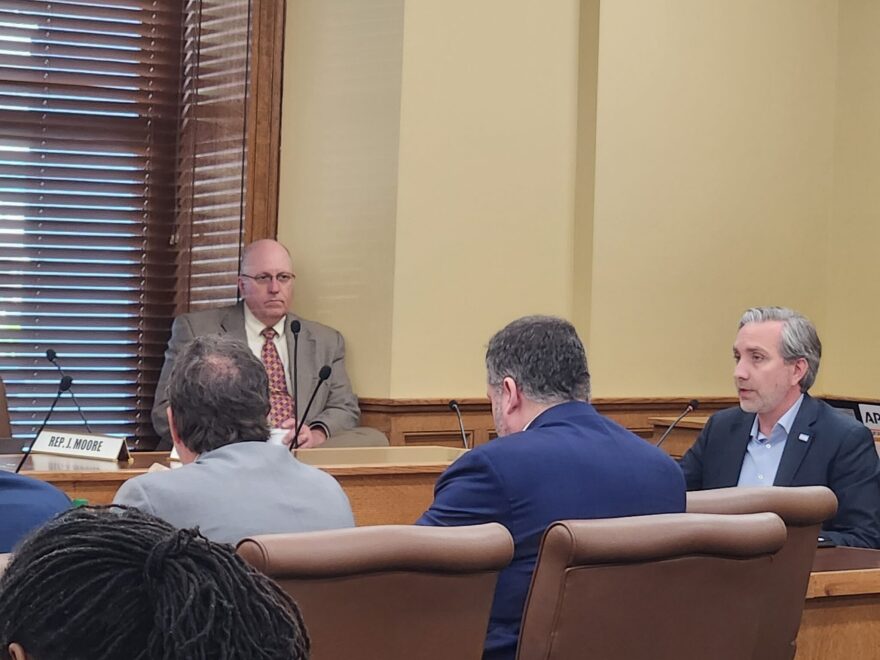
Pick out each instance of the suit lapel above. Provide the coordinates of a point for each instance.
(232, 322)
(305, 361)
(795, 447)
(733, 450)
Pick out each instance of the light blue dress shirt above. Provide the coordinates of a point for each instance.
(764, 453)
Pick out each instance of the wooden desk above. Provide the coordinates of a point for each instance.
(841, 619)
(682, 436)
(386, 485)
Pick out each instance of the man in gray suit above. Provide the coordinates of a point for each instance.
(266, 287)
(233, 483)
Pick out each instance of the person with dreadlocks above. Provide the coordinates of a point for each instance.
(233, 483)
(115, 583)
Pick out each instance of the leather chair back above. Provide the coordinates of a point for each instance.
(803, 510)
(666, 587)
(395, 592)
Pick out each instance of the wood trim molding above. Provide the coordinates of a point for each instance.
(431, 422)
(264, 119)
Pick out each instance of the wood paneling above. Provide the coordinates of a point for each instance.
(430, 421)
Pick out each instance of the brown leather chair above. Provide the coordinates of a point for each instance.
(5, 426)
(389, 591)
(672, 586)
(803, 510)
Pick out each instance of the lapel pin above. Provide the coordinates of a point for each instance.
(803, 437)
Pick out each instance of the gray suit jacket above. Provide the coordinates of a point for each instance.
(240, 490)
(335, 406)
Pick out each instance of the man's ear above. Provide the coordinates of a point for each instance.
(800, 369)
(175, 436)
(511, 396)
(16, 652)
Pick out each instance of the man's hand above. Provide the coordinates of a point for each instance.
(308, 437)
(311, 437)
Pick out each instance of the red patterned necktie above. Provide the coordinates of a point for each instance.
(279, 398)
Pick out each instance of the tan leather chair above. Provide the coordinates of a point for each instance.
(803, 510)
(666, 587)
(5, 425)
(395, 592)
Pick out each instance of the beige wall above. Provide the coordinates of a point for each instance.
(448, 166)
(851, 364)
(486, 186)
(339, 143)
(714, 152)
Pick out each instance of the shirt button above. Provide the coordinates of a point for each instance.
(767, 446)
(761, 477)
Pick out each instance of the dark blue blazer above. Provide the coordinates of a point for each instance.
(25, 504)
(571, 463)
(838, 452)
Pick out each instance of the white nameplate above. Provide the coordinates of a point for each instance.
(173, 456)
(870, 416)
(81, 445)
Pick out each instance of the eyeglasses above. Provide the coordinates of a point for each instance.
(263, 279)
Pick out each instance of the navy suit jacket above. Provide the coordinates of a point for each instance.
(25, 504)
(838, 452)
(571, 463)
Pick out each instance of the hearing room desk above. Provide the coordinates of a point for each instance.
(841, 619)
(385, 485)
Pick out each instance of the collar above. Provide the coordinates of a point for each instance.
(555, 405)
(786, 421)
(255, 326)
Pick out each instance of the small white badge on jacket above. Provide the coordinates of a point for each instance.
(803, 437)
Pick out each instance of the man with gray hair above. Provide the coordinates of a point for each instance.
(556, 458)
(232, 483)
(781, 436)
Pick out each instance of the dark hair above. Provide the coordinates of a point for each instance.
(544, 355)
(219, 394)
(113, 583)
(799, 338)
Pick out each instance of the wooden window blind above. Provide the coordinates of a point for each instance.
(124, 133)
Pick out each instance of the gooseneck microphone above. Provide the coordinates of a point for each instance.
(63, 385)
(453, 405)
(295, 327)
(692, 405)
(52, 356)
(323, 375)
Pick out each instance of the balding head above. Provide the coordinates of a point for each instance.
(261, 263)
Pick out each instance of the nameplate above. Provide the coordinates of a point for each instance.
(173, 456)
(870, 415)
(80, 445)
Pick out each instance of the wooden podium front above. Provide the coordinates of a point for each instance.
(386, 485)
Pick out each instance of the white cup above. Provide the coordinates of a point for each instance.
(276, 436)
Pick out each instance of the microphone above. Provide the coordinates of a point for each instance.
(52, 356)
(295, 327)
(323, 375)
(453, 405)
(692, 405)
(63, 386)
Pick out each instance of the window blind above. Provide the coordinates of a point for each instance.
(213, 150)
(126, 130)
(89, 95)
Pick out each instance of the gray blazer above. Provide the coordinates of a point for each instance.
(335, 406)
(240, 490)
